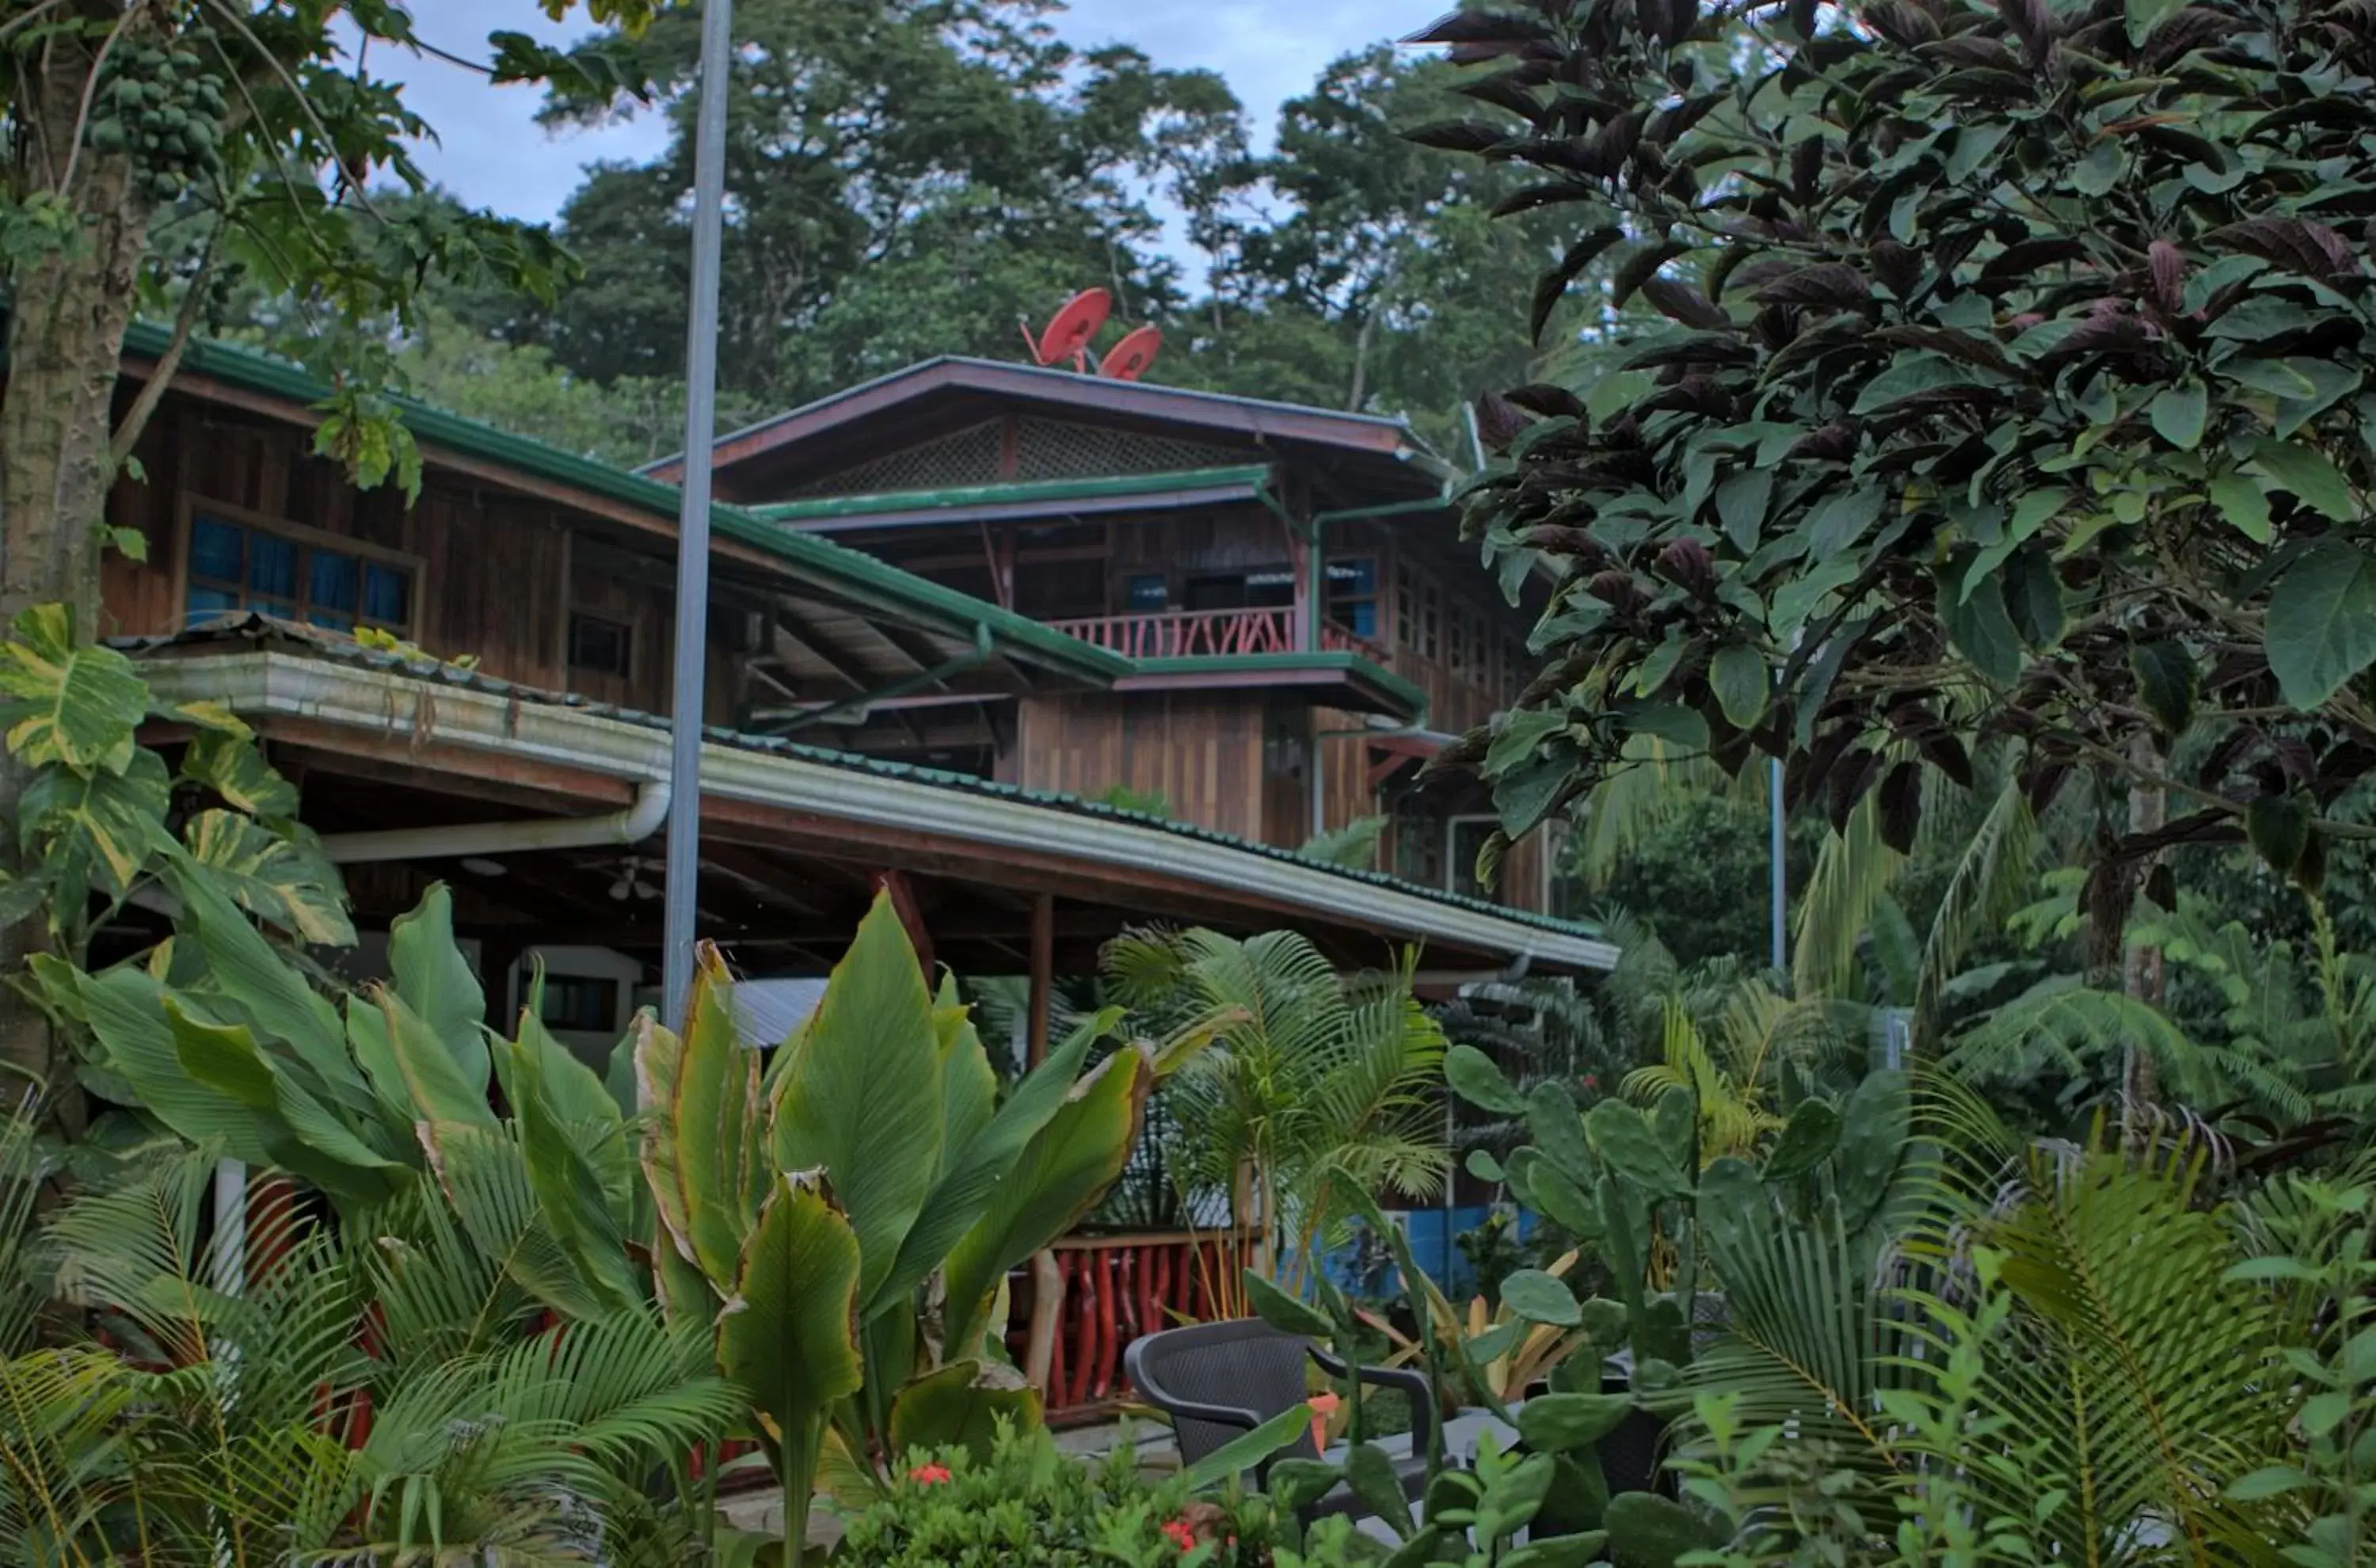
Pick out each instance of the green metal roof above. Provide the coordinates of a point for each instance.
(1016, 493)
(256, 633)
(1406, 699)
(849, 572)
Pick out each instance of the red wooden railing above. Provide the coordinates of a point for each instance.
(1190, 634)
(1090, 1296)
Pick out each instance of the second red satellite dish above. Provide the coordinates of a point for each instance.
(1071, 328)
(1128, 360)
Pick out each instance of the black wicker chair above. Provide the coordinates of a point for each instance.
(1219, 1381)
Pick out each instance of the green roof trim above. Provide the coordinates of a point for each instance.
(852, 572)
(1405, 695)
(1015, 493)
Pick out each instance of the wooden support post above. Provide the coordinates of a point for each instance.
(911, 916)
(1043, 976)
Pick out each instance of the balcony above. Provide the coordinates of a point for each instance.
(1210, 634)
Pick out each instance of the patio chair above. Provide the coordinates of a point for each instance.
(1219, 1381)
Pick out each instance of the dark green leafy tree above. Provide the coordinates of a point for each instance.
(2009, 382)
(1356, 269)
(910, 179)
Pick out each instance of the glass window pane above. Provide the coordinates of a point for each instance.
(335, 622)
(285, 609)
(215, 550)
(204, 603)
(1148, 591)
(272, 565)
(388, 595)
(330, 581)
(1363, 618)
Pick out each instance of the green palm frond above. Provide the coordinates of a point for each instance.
(1853, 871)
(1656, 781)
(1989, 880)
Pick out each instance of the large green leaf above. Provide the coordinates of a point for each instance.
(126, 1009)
(970, 1178)
(438, 1089)
(961, 1405)
(786, 1335)
(1061, 1175)
(484, 1174)
(302, 1135)
(267, 991)
(2321, 622)
(281, 879)
(95, 830)
(438, 983)
(862, 1093)
(71, 707)
(702, 1152)
(2310, 475)
(233, 768)
(571, 1196)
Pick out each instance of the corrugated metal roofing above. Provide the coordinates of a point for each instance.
(850, 572)
(256, 631)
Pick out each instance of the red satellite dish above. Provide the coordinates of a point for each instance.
(1128, 360)
(1071, 328)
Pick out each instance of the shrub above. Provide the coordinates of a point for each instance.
(1027, 1503)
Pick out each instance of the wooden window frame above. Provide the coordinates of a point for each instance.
(1430, 622)
(185, 515)
(1373, 599)
(1456, 642)
(1405, 614)
(626, 643)
(1456, 871)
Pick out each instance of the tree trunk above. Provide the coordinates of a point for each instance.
(68, 316)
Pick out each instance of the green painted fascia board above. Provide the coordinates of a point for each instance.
(861, 576)
(1012, 492)
(1352, 666)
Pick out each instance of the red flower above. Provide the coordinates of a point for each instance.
(1592, 1080)
(928, 1475)
(1180, 1534)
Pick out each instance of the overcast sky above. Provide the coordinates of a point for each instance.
(493, 153)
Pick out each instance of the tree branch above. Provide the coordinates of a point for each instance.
(153, 392)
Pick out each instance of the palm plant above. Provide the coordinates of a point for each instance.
(211, 1425)
(2060, 1353)
(1315, 1081)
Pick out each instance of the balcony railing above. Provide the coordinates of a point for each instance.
(1191, 633)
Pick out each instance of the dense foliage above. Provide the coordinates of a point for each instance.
(2009, 383)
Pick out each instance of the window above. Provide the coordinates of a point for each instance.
(1270, 589)
(1145, 591)
(1458, 649)
(1353, 596)
(580, 1001)
(1405, 617)
(234, 566)
(1430, 622)
(600, 646)
(1467, 838)
(1419, 850)
(1480, 648)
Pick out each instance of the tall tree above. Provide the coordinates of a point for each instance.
(1354, 267)
(2014, 385)
(909, 177)
(151, 144)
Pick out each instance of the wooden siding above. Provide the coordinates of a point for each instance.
(493, 573)
(1201, 752)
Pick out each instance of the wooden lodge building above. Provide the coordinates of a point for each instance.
(949, 610)
(950, 607)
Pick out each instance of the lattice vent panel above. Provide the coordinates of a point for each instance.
(1055, 449)
(964, 458)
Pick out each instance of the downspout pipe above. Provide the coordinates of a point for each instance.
(636, 823)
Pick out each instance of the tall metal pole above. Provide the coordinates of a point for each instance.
(692, 516)
(1781, 879)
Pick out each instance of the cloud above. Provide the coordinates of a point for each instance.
(491, 152)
